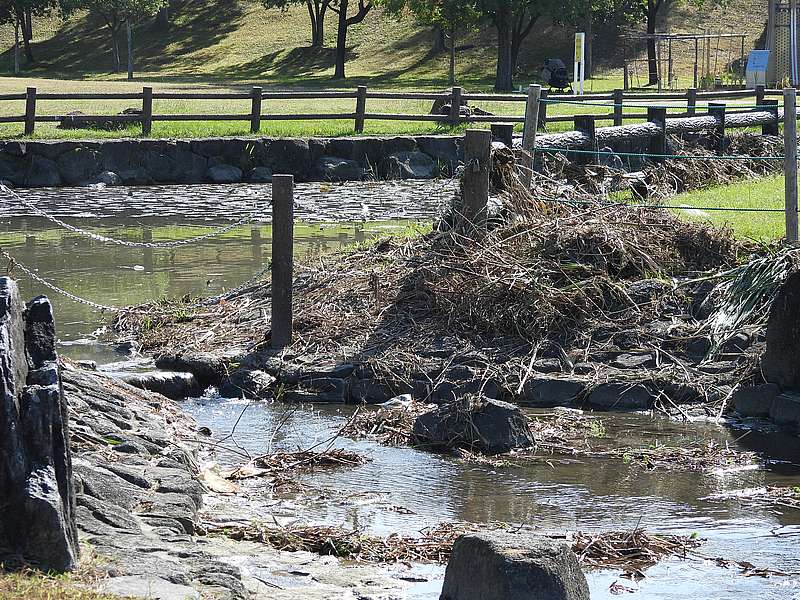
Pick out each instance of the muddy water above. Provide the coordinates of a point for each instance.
(400, 489)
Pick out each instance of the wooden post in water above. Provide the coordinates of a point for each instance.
(30, 110)
(282, 259)
(147, 110)
(790, 166)
(529, 132)
(361, 108)
(255, 109)
(475, 186)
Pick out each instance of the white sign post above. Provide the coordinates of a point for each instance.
(580, 63)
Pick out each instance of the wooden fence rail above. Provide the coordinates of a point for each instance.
(617, 103)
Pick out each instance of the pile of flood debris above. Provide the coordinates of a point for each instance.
(555, 304)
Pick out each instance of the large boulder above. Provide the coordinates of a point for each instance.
(42, 172)
(621, 396)
(208, 369)
(781, 361)
(79, 166)
(172, 384)
(37, 523)
(476, 424)
(331, 168)
(411, 165)
(224, 174)
(502, 566)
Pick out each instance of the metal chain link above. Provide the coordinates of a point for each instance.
(101, 238)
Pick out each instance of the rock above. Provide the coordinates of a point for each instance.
(502, 566)
(445, 150)
(172, 384)
(290, 156)
(331, 168)
(136, 176)
(244, 383)
(79, 166)
(43, 172)
(411, 165)
(781, 361)
(547, 365)
(224, 174)
(785, 409)
(737, 344)
(634, 361)
(549, 392)
(147, 587)
(108, 178)
(260, 175)
(476, 424)
(648, 291)
(38, 517)
(755, 401)
(620, 396)
(128, 347)
(207, 368)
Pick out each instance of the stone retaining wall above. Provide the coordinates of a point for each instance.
(225, 160)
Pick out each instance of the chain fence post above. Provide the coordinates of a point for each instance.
(658, 143)
(543, 110)
(691, 102)
(455, 106)
(478, 156)
(619, 99)
(529, 131)
(773, 128)
(282, 259)
(587, 126)
(790, 165)
(717, 110)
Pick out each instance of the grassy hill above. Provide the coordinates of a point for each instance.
(239, 41)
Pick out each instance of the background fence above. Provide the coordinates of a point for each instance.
(620, 106)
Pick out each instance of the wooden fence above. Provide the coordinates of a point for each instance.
(617, 113)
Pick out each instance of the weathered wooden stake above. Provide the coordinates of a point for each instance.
(587, 125)
(760, 94)
(147, 110)
(30, 111)
(475, 186)
(619, 98)
(529, 131)
(717, 110)
(361, 107)
(771, 128)
(255, 110)
(282, 259)
(658, 143)
(790, 166)
(455, 106)
(691, 102)
(543, 110)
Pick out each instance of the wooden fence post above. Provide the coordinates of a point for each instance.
(790, 165)
(691, 102)
(475, 185)
(147, 111)
(619, 99)
(658, 143)
(455, 106)
(760, 94)
(282, 259)
(361, 108)
(771, 128)
(529, 131)
(717, 110)
(586, 125)
(255, 110)
(503, 132)
(626, 78)
(543, 110)
(30, 111)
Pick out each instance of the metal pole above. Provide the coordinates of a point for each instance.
(282, 259)
(477, 154)
(790, 165)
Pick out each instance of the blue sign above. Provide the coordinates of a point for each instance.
(758, 61)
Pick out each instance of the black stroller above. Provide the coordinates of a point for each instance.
(555, 75)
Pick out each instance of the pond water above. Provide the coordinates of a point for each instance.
(400, 490)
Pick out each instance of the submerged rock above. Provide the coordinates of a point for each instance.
(244, 383)
(621, 396)
(476, 424)
(172, 384)
(502, 566)
(208, 369)
(224, 174)
(411, 165)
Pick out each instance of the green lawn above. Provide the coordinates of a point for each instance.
(766, 192)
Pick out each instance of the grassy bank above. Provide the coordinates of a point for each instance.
(36, 586)
(763, 193)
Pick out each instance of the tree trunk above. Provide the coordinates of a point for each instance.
(163, 18)
(312, 16)
(439, 44)
(652, 60)
(316, 12)
(504, 79)
(341, 41)
(115, 51)
(27, 34)
(452, 72)
(16, 47)
(589, 65)
(129, 29)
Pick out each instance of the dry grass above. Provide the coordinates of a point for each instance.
(33, 585)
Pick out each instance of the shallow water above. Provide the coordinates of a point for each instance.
(400, 490)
